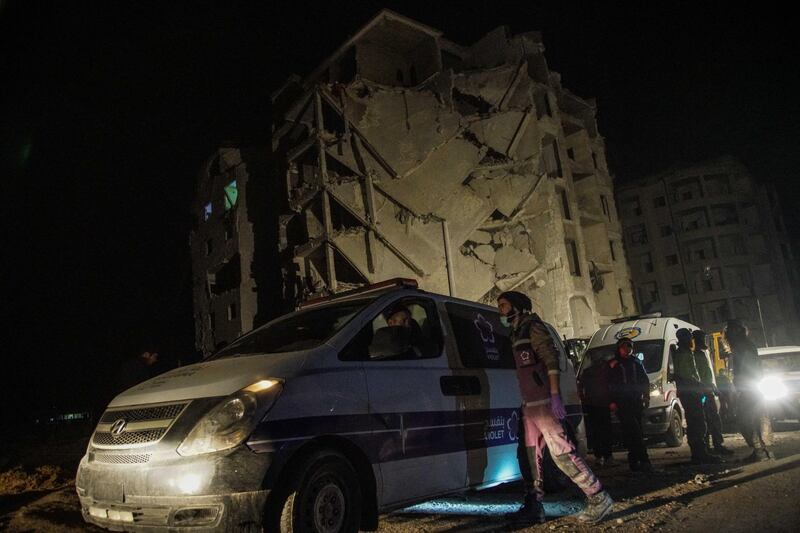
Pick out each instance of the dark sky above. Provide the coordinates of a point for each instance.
(109, 109)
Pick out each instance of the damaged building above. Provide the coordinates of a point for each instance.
(469, 168)
(223, 245)
(707, 243)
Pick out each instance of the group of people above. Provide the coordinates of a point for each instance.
(621, 385)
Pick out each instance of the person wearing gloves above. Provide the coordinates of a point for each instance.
(629, 391)
(536, 359)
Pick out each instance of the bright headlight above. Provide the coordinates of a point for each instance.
(232, 420)
(772, 388)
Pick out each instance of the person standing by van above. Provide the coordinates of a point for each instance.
(596, 402)
(629, 390)
(536, 359)
(706, 373)
(690, 390)
(746, 367)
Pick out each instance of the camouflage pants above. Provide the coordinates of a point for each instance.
(542, 429)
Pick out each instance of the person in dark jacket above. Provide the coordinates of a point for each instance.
(538, 373)
(596, 402)
(750, 412)
(705, 371)
(629, 391)
(690, 389)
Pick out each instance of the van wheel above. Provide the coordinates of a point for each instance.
(324, 496)
(674, 435)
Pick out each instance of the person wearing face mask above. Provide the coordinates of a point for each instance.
(629, 390)
(536, 359)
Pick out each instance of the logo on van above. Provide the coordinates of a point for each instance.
(630, 333)
(118, 427)
(486, 331)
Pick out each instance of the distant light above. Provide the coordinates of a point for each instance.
(207, 211)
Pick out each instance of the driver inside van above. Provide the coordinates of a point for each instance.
(401, 337)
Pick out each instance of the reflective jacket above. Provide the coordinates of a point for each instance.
(536, 358)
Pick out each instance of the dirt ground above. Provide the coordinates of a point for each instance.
(677, 497)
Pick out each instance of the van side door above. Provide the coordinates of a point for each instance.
(416, 420)
(492, 417)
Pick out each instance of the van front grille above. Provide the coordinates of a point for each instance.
(141, 414)
(121, 459)
(134, 427)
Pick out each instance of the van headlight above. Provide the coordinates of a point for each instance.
(232, 420)
(773, 388)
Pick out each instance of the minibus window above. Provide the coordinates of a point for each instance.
(482, 342)
(302, 331)
(650, 353)
(406, 329)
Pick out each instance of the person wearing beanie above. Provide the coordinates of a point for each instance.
(690, 394)
(705, 371)
(536, 358)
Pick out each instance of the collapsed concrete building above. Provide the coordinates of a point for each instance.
(469, 168)
(707, 243)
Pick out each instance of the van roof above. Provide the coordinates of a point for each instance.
(778, 350)
(637, 329)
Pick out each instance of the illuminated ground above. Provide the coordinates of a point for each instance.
(676, 498)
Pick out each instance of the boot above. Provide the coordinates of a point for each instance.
(597, 507)
(758, 455)
(705, 459)
(722, 450)
(531, 512)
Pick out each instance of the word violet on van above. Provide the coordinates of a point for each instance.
(502, 429)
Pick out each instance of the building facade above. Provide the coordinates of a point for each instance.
(707, 243)
(469, 168)
(222, 247)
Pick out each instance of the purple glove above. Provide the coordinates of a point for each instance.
(557, 406)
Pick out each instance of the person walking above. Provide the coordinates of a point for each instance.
(747, 373)
(629, 391)
(709, 392)
(689, 387)
(536, 359)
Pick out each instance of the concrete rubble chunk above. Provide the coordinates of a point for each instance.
(509, 260)
(488, 85)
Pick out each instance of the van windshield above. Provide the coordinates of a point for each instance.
(650, 353)
(300, 331)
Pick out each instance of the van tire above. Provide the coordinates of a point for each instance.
(325, 484)
(674, 435)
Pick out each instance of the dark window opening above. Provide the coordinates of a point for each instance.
(604, 204)
(613, 252)
(672, 259)
(565, 204)
(233, 312)
(209, 247)
(666, 231)
(659, 201)
(678, 289)
(594, 159)
(571, 153)
(572, 257)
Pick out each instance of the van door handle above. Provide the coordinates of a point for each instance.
(460, 385)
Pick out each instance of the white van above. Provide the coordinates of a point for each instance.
(654, 339)
(317, 421)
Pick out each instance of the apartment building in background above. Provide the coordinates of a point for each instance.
(707, 243)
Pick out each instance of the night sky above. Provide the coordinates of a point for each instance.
(110, 108)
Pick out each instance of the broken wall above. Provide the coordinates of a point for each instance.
(455, 182)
